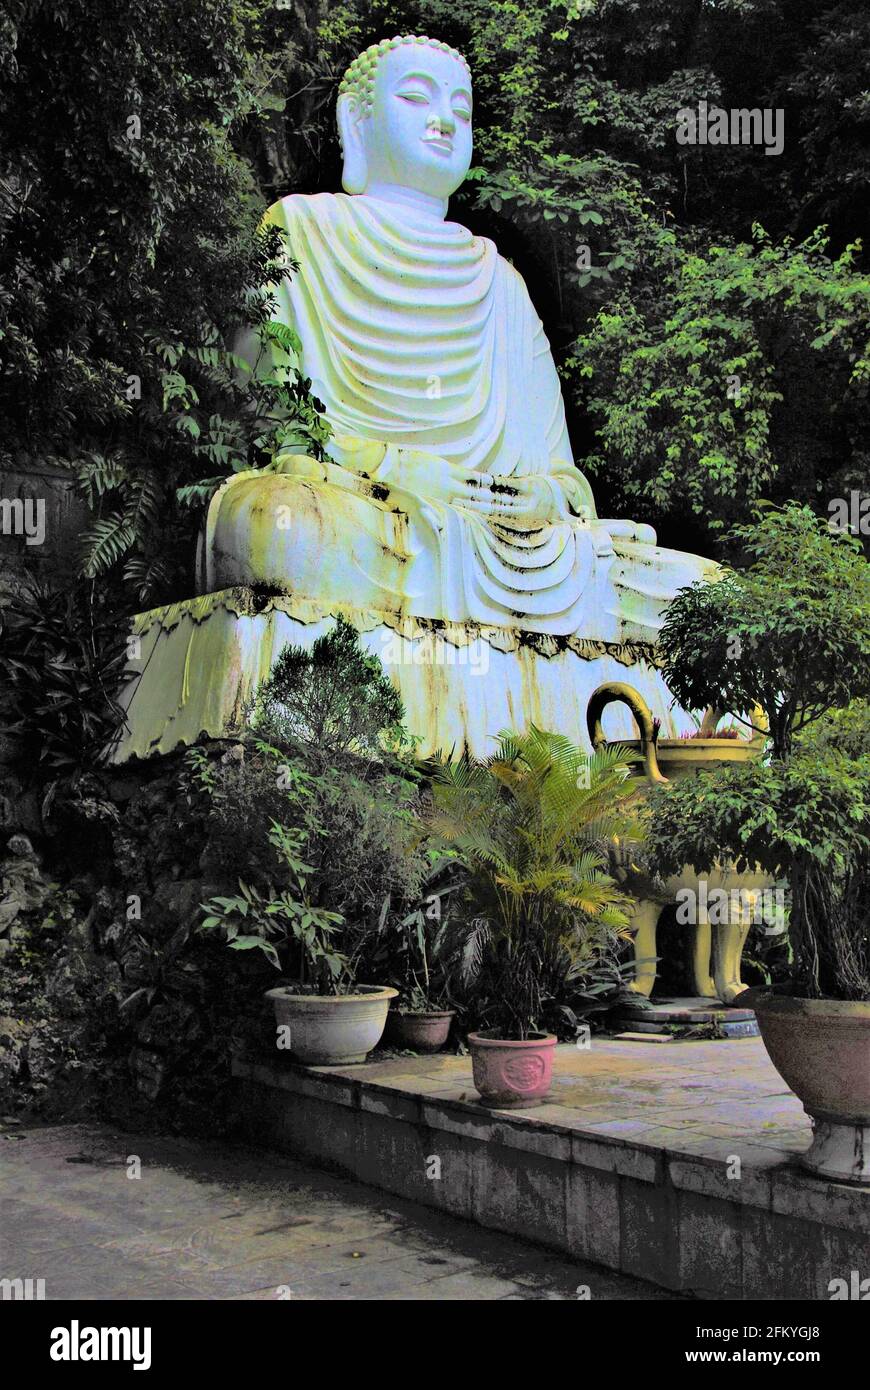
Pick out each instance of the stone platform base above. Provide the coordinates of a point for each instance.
(692, 1017)
(199, 662)
(674, 1165)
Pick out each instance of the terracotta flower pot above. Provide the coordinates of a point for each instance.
(423, 1032)
(508, 1072)
(331, 1029)
(821, 1049)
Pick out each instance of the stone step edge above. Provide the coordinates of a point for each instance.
(778, 1186)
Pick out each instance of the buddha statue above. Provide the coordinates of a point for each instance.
(449, 522)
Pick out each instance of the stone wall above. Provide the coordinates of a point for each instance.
(41, 518)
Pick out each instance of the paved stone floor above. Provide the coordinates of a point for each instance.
(701, 1098)
(210, 1221)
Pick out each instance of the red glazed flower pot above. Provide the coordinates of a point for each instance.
(508, 1072)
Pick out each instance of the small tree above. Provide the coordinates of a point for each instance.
(316, 818)
(789, 633)
(333, 701)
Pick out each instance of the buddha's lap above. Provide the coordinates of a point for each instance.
(362, 545)
(319, 536)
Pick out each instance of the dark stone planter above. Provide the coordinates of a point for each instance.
(426, 1032)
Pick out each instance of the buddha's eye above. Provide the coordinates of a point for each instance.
(462, 112)
(417, 97)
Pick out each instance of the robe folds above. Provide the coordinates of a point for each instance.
(423, 344)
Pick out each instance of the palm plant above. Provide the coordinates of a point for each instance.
(532, 826)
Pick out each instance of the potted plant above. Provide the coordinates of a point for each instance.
(328, 1017)
(326, 777)
(430, 951)
(530, 826)
(790, 632)
(415, 1024)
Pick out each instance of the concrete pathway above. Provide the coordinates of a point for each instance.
(100, 1215)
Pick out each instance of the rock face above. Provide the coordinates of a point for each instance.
(109, 1001)
(41, 501)
(28, 1048)
(22, 887)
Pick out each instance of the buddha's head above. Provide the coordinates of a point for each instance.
(404, 117)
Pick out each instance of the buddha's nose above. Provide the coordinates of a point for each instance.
(443, 119)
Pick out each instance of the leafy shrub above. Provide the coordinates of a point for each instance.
(316, 815)
(423, 953)
(264, 920)
(63, 654)
(531, 826)
(807, 820)
(791, 632)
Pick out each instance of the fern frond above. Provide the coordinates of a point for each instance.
(142, 505)
(199, 494)
(146, 575)
(105, 543)
(98, 474)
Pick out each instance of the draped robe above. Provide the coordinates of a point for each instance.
(418, 336)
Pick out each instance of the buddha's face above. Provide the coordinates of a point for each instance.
(419, 132)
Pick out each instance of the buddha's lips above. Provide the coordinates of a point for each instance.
(440, 142)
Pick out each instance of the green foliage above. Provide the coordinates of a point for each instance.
(729, 383)
(277, 411)
(316, 816)
(843, 731)
(763, 813)
(63, 654)
(130, 258)
(530, 825)
(252, 920)
(291, 419)
(790, 632)
(590, 987)
(425, 953)
(333, 701)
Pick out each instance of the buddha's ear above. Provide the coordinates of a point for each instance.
(355, 174)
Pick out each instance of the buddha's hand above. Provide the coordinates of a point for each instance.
(428, 477)
(431, 478)
(523, 500)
